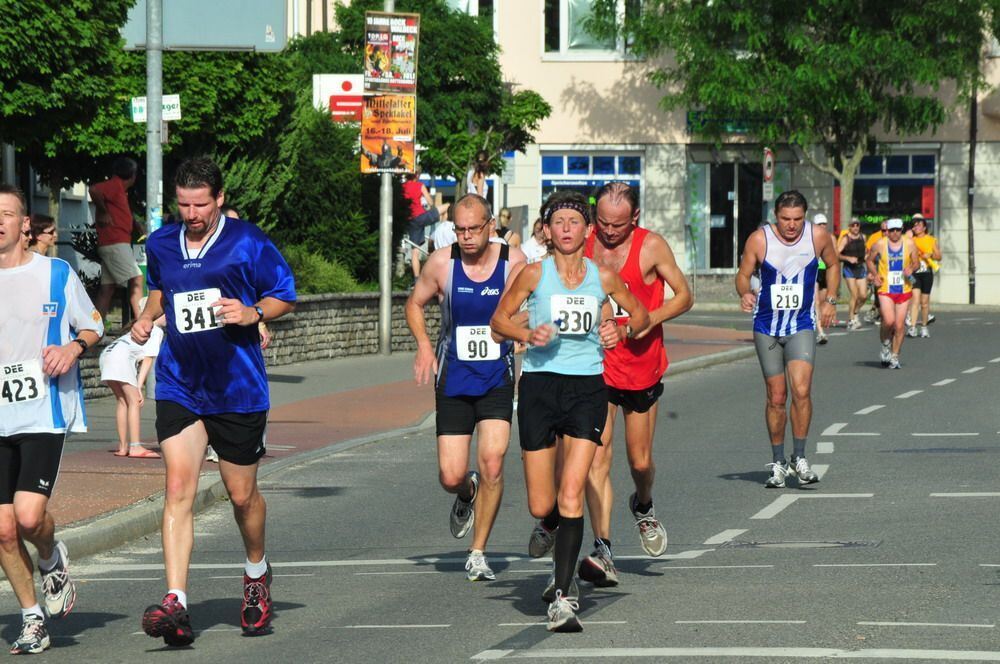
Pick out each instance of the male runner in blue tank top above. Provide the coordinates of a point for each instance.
(784, 322)
(215, 278)
(473, 374)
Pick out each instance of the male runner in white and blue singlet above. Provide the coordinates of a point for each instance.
(473, 374)
(215, 278)
(784, 322)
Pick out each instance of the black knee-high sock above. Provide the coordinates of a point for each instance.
(569, 539)
(551, 520)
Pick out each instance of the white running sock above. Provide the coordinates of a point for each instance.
(182, 596)
(50, 564)
(256, 570)
(32, 610)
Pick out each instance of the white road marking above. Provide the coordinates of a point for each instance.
(387, 626)
(724, 536)
(277, 576)
(869, 409)
(722, 567)
(973, 370)
(924, 624)
(543, 623)
(786, 499)
(824, 448)
(782, 653)
(942, 383)
(282, 448)
(942, 435)
(407, 573)
(907, 395)
(837, 334)
(835, 428)
(120, 578)
(967, 494)
(995, 360)
(739, 622)
(875, 565)
(820, 469)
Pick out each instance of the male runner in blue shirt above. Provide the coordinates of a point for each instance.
(215, 278)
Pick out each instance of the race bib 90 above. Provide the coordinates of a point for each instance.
(785, 297)
(21, 381)
(575, 314)
(192, 313)
(474, 343)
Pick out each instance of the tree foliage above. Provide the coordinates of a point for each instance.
(827, 72)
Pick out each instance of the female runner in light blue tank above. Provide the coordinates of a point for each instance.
(562, 391)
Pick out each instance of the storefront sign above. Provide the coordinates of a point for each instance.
(388, 129)
(391, 52)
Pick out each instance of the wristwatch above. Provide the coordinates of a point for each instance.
(83, 344)
(831, 300)
(260, 313)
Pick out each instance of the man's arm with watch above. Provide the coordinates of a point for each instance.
(57, 360)
(233, 312)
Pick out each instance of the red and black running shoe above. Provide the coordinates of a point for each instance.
(169, 620)
(255, 617)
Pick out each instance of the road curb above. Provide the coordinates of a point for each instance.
(141, 519)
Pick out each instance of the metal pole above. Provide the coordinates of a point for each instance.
(9, 177)
(385, 253)
(154, 116)
(973, 125)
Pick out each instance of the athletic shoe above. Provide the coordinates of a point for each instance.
(170, 620)
(894, 361)
(909, 322)
(800, 468)
(58, 588)
(885, 353)
(854, 324)
(211, 455)
(911, 331)
(34, 638)
(463, 514)
(930, 318)
(478, 568)
(599, 567)
(778, 473)
(821, 338)
(652, 534)
(924, 334)
(562, 614)
(541, 540)
(549, 594)
(255, 616)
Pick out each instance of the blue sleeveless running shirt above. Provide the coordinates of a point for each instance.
(470, 363)
(577, 350)
(785, 303)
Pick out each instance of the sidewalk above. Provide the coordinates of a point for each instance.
(317, 408)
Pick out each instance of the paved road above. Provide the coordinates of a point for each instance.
(891, 556)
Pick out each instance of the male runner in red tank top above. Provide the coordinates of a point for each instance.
(632, 371)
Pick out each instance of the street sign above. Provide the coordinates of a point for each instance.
(218, 25)
(768, 191)
(768, 166)
(340, 94)
(171, 108)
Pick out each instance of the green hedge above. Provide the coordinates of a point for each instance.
(316, 274)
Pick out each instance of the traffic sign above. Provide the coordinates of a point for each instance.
(171, 108)
(768, 165)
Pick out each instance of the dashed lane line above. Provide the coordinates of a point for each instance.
(786, 499)
(739, 622)
(875, 565)
(824, 448)
(907, 395)
(775, 653)
(924, 624)
(836, 429)
(942, 383)
(869, 409)
(943, 434)
(967, 494)
(995, 360)
(724, 536)
(717, 567)
(973, 370)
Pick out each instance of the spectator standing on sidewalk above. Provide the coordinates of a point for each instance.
(214, 278)
(115, 224)
(473, 374)
(47, 323)
(42, 235)
(562, 390)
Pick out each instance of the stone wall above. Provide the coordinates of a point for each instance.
(321, 327)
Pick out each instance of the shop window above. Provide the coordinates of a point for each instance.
(604, 165)
(585, 172)
(629, 165)
(578, 165)
(553, 165)
(897, 164)
(871, 165)
(923, 163)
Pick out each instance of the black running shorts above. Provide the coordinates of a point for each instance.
(237, 437)
(550, 405)
(29, 462)
(637, 401)
(923, 281)
(458, 416)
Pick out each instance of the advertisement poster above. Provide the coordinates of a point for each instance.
(391, 52)
(388, 128)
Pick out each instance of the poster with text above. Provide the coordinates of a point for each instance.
(391, 52)
(388, 130)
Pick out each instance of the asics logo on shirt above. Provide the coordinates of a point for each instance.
(50, 309)
(490, 291)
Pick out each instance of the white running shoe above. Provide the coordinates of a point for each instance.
(894, 361)
(34, 638)
(821, 338)
(463, 514)
(777, 478)
(652, 534)
(211, 455)
(924, 334)
(912, 331)
(800, 468)
(541, 540)
(58, 588)
(909, 323)
(599, 568)
(477, 567)
(562, 614)
(885, 353)
(930, 318)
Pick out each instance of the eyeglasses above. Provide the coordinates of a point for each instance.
(471, 230)
(896, 230)
(50, 231)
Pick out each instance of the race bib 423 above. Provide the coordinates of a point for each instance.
(21, 381)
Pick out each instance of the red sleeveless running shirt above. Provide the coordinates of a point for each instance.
(635, 364)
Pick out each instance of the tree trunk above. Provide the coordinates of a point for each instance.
(55, 189)
(849, 169)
